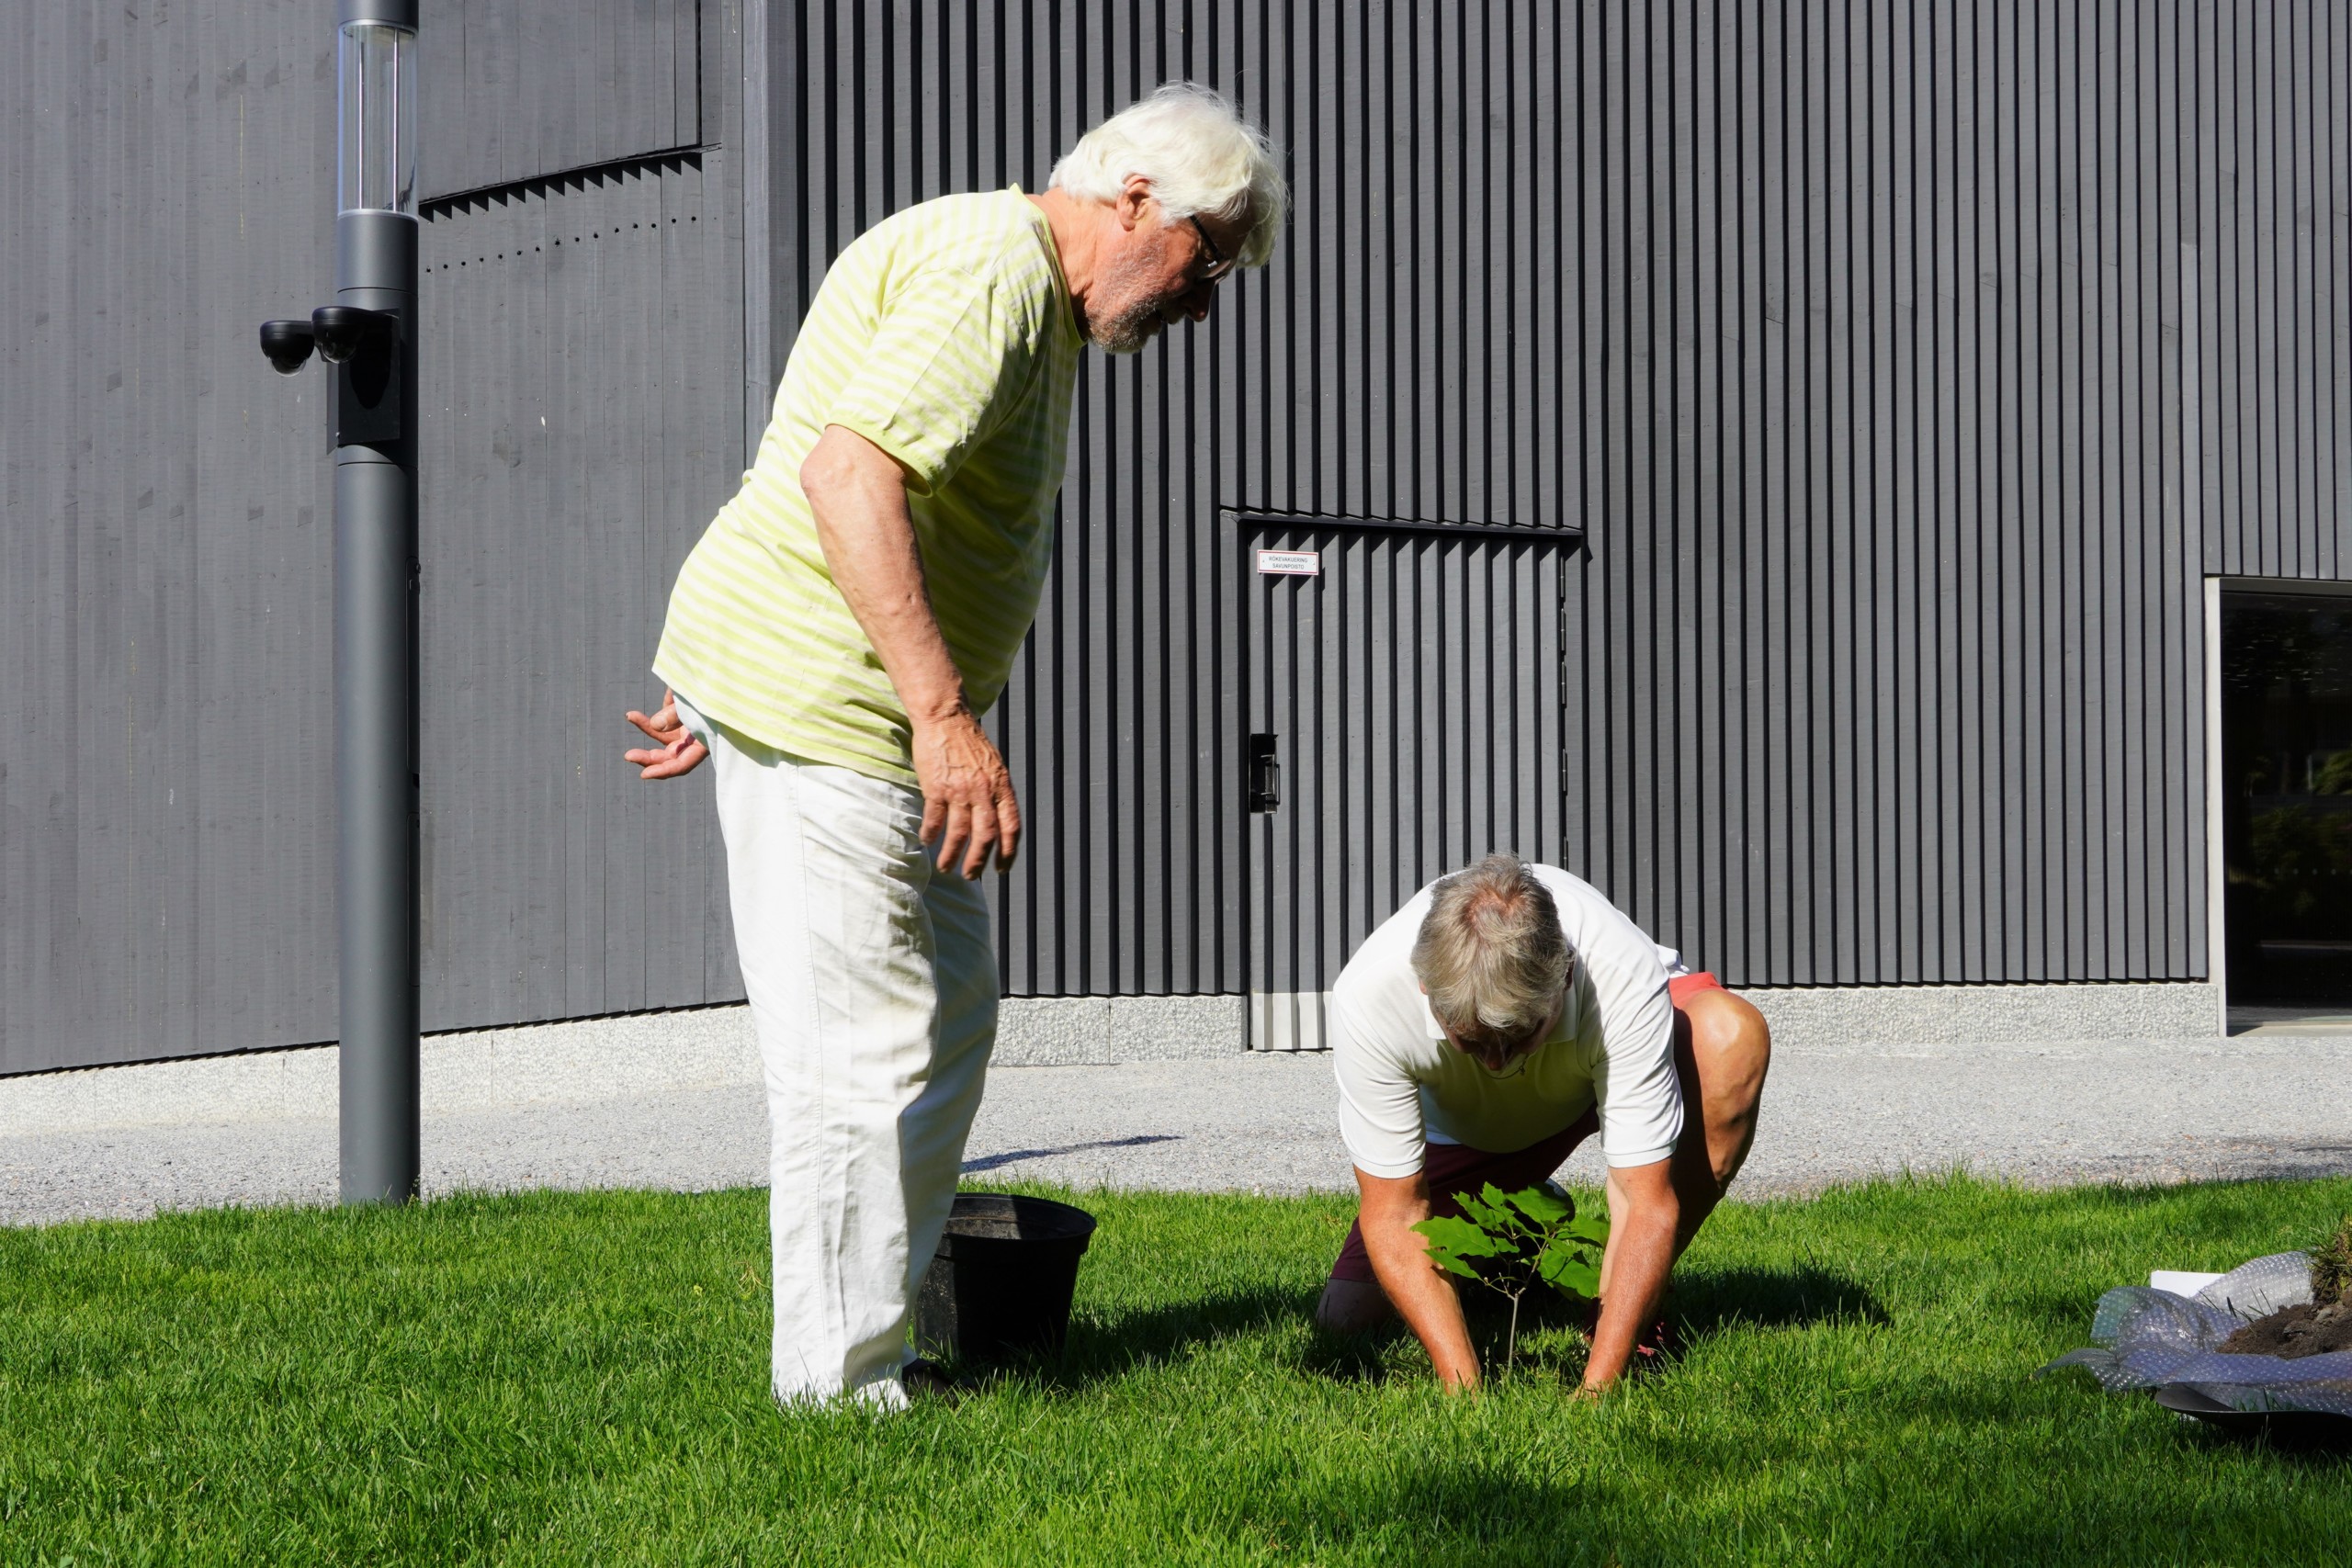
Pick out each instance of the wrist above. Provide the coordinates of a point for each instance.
(943, 710)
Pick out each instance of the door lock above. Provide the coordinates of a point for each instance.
(1265, 772)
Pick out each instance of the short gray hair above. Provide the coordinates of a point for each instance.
(1491, 954)
(1200, 155)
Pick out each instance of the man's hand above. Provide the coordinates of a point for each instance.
(968, 803)
(674, 751)
(1644, 1212)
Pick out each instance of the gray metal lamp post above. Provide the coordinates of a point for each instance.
(367, 337)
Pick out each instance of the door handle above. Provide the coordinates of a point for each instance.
(1265, 772)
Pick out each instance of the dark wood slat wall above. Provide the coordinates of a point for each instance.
(583, 380)
(1850, 333)
(1892, 610)
(167, 827)
(557, 884)
(2272, 225)
(1354, 377)
(166, 563)
(1907, 365)
(518, 90)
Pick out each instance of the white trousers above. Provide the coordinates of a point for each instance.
(873, 990)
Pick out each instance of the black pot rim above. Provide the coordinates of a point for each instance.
(1079, 1231)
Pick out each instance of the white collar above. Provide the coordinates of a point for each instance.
(1429, 1017)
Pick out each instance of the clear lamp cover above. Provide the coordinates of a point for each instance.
(376, 100)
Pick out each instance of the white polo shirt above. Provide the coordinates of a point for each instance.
(1403, 1084)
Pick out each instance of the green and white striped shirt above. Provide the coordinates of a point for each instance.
(944, 335)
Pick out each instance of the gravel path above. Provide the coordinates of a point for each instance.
(674, 1101)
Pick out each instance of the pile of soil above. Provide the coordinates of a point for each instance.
(2305, 1330)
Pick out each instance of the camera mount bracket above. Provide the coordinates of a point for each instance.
(367, 371)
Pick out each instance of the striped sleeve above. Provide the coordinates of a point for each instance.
(948, 360)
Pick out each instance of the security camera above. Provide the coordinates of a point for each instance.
(288, 344)
(343, 329)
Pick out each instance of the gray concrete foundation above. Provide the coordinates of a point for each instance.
(674, 1100)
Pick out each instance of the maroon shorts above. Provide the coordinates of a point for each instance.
(1456, 1169)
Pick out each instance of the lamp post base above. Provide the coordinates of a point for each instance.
(376, 724)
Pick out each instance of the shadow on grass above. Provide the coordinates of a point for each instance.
(1553, 1335)
(1428, 1508)
(1114, 1347)
(1349, 1358)
(1703, 1305)
(1708, 1302)
(2302, 1445)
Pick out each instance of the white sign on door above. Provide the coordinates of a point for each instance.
(1290, 563)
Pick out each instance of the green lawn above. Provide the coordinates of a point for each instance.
(581, 1378)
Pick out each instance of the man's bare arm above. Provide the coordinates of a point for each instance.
(1422, 1296)
(859, 498)
(1645, 1212)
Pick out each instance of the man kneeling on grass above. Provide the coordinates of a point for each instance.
(1486, 1030)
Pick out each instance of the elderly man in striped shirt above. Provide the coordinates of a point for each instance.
(834, 638)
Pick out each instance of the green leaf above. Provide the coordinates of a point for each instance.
(1441, 1259)
(1488, 1214)
(1460, 1237)
(1591, 1228)
(1568, 1273)
(1545, 1208)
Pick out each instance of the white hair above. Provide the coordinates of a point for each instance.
(1491, 954)
(1200, 155)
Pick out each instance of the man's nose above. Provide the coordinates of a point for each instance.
(1197, 300)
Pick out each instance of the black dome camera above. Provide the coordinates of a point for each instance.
(344, 330)
(288, 344)
(364, 352)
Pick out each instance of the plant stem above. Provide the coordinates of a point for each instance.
(1510, 1345)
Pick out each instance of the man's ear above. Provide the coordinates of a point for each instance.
(1134, 197)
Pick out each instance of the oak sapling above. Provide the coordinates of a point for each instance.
(2332, 1268)
(1509, 1241)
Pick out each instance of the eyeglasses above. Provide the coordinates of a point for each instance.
(1219, 263)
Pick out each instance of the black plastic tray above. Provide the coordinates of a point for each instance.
(2289, 1428)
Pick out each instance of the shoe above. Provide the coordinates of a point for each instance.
(928, 1380)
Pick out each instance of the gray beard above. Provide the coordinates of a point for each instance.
(1128, 332)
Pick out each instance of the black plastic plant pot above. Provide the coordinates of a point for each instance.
(1000, 1285)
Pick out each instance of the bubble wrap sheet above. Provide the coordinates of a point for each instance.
(2147, 1339)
